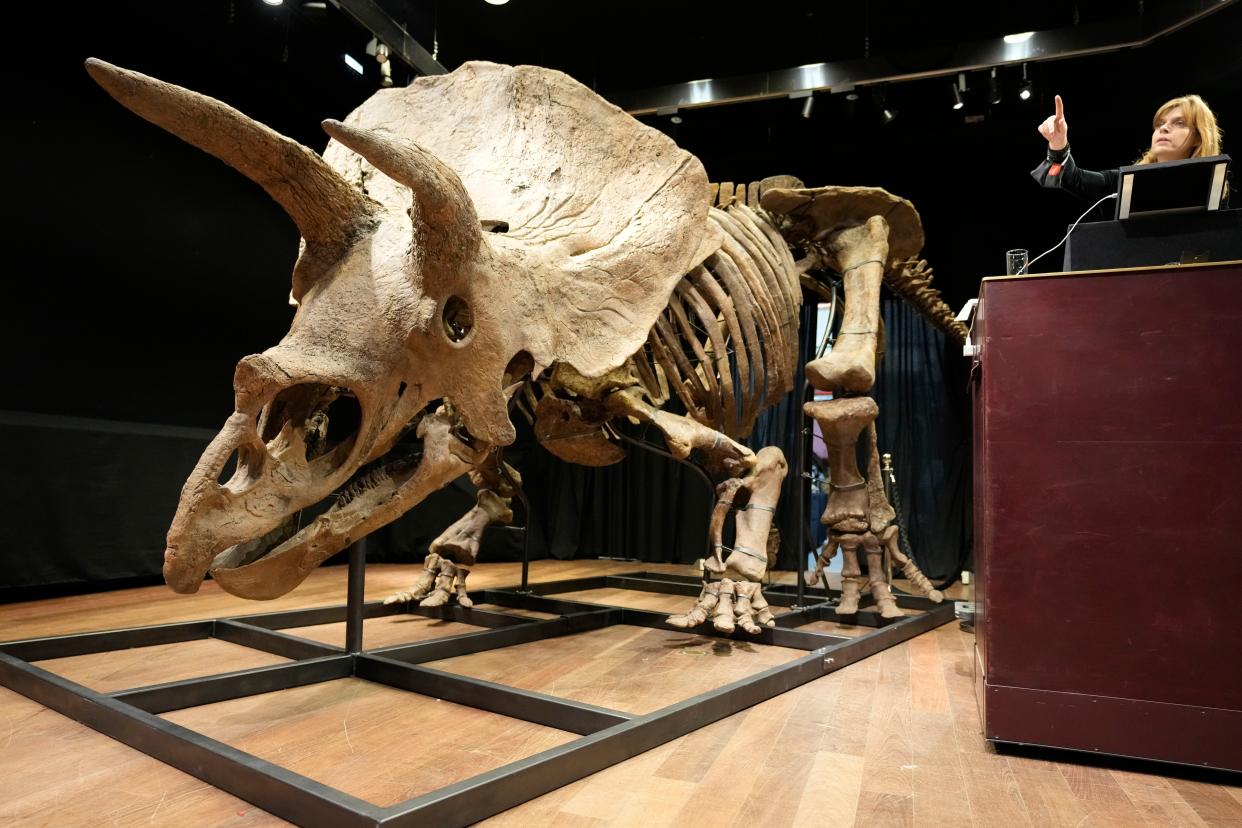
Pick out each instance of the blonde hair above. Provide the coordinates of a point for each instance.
(1201, 121)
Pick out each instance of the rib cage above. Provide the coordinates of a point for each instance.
(727, 342)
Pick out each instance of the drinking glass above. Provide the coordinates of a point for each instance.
(1015, 262)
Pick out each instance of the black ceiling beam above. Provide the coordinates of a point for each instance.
(1053, 44)
(374, 19)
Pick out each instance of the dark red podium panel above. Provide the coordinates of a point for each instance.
(1108, 511)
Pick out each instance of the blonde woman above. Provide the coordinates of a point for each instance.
(1182, 128)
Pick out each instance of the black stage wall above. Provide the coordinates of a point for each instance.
(140, 270)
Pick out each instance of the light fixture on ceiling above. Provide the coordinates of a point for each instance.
(1024, 91)
(808, 106)
(994, 94)
(1019, 37)
(959, 87)
(887, 114)
(352, 63)
(273, 2)
(676, 119)
(381, 53)
(385, 65)
(496, 2)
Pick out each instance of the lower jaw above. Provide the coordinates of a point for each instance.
(290, 560)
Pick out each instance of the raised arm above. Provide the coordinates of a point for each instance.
(1054, 129)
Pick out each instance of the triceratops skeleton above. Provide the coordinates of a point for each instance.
(500, 238)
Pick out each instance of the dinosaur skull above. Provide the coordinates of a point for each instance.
(387, 314)
(403, 300)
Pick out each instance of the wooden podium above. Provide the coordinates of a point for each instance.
(1108, 511)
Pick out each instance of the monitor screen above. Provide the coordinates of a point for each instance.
(1191, 185)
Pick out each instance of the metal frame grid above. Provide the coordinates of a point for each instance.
(607, 736)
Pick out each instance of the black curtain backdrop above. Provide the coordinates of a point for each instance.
(87, 501)
(924, 423)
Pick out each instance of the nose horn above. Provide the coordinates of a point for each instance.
(255, 374)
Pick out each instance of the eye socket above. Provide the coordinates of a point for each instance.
(457, 319)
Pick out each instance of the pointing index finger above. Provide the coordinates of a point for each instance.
(1060, 107)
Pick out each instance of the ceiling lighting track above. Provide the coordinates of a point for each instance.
(369, 15)
(1129, 32)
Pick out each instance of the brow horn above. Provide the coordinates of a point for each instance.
(443, 203)
(328, 210)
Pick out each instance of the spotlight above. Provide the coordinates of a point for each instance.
(808, 106)
(851, 96)
(1024, 91)
(994, 94)
(273, 2)
(1020, 37)
(676, 119)
(887, 115)
(959, 91)
(496, 2)
(354, 64)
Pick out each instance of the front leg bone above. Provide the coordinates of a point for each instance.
(737, 599)
(749, 560)
(725, 493)
(683, 434)
(460, 542)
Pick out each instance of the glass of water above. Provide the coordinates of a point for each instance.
(1015, 262)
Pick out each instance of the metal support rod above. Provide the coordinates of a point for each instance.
(354, 592)
(521, 495)
(803, 491)
(890, 483)
(525, 540)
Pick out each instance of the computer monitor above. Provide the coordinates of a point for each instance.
(1189, 186)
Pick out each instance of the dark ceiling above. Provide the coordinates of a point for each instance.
(614, 46)
(141, 270)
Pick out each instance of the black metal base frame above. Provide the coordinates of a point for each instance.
(607, 736)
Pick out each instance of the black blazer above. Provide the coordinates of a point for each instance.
(1059, 172)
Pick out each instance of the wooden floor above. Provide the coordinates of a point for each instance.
(892, 740)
